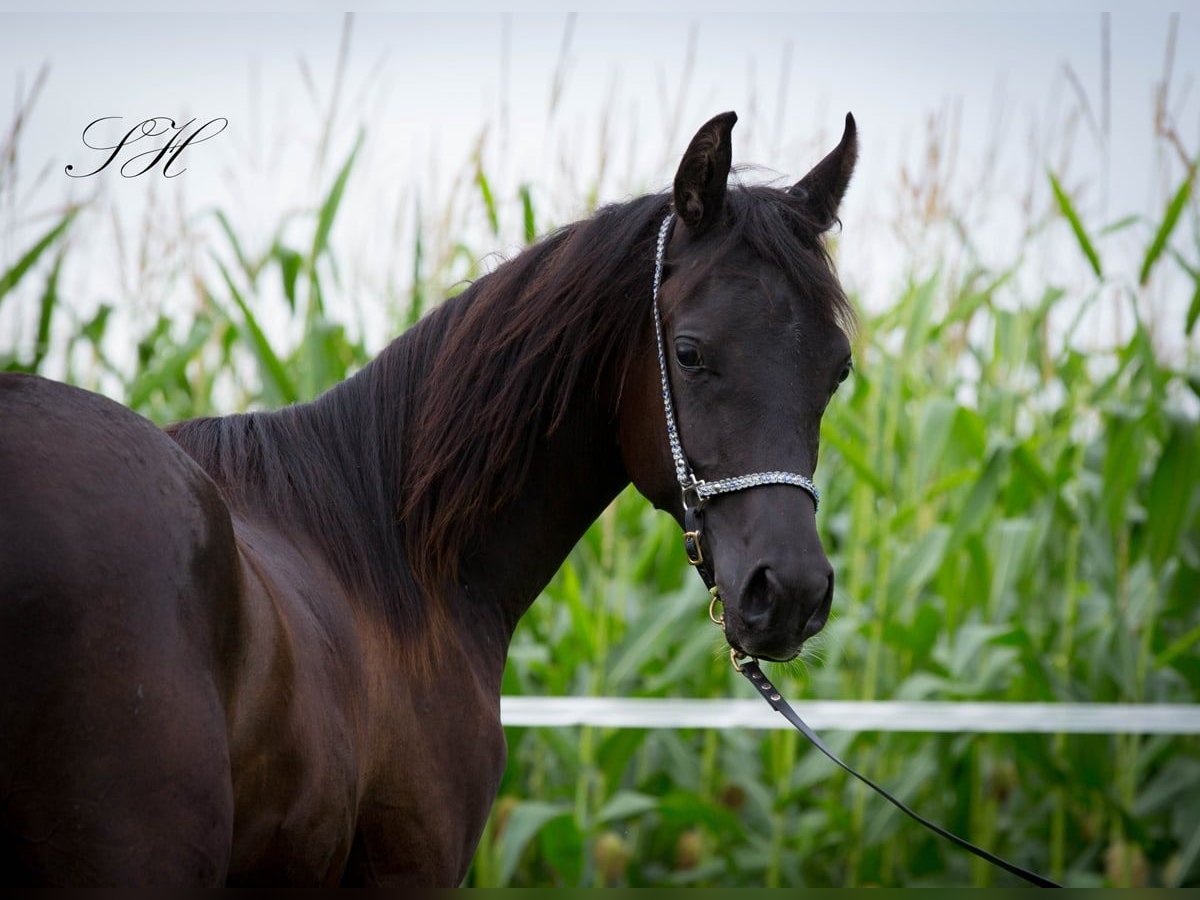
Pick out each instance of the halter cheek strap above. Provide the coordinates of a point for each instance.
(696, 491)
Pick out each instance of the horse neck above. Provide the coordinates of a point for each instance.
(576, 472)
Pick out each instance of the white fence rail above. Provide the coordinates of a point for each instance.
(891, 715)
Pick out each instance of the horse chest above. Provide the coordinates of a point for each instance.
(295, 768)
(421, 815)
(294, 723)
(351, 763)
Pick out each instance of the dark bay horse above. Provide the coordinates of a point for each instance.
(267, 648)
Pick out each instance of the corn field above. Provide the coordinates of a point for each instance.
(1012, 514)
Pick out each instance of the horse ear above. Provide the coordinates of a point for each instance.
(700, 181)
(823, 187)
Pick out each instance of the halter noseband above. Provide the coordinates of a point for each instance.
(696, 491)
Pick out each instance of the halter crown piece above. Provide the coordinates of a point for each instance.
(696, 491)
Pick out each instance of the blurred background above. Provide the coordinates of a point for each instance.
(1011, 480)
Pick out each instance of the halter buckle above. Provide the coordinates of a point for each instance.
(691, 546)
(691, 494)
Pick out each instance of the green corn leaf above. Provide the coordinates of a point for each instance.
(617, 751)
(333, 200)
(527, 210)
(1081, 235)
(969, 435)
(1168, 499)
(416, 304)
(921, 562)
(854, 457)
(691, 809)
(289, 268)
(46, 313)
(13, 276)
(1008, 541)
(1179, 647)
(1170, 220)
(982, 498)
(524, 822)
(647, 637)
(325, 218)
(1189, 859)
(489, 199)
(95, 327)
(626, 805)
(561, 844)
(272, 368)
(1121, 224)
(921, 299)
(250, 271)
(581, 613)
(1193, 312)
(919, 770)
(1125, 439)
(936, 421)
(167, 370)
(694, 655)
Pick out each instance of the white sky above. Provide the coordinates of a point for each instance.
(428, 85)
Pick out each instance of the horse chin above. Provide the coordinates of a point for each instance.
(766, 657)
(765, 653)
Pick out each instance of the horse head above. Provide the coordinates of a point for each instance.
(753, 343)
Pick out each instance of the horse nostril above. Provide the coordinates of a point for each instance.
(817, 583)
(820, 614)
(805, 602)
(758, 597)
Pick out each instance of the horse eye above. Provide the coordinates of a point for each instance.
(688, 354)
(845, 373)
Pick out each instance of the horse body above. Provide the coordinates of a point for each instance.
(268, 648)
(333, 750)
(243, 719)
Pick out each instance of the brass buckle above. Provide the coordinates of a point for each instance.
(734, 656)
(719, 621)
(691, 546)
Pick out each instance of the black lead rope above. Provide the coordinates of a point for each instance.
(771, 694)
(748, 667)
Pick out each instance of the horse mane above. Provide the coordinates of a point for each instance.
(439, 431)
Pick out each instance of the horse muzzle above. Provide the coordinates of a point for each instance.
(774, 611)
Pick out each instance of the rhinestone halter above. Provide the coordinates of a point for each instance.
(696, 490)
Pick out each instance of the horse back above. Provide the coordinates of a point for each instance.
(99, 508)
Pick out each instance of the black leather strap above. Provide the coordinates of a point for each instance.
(771, 694)
(693, 543)
(694, 546)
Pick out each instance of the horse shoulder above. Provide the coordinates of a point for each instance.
(297, 712)
(439, 754)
